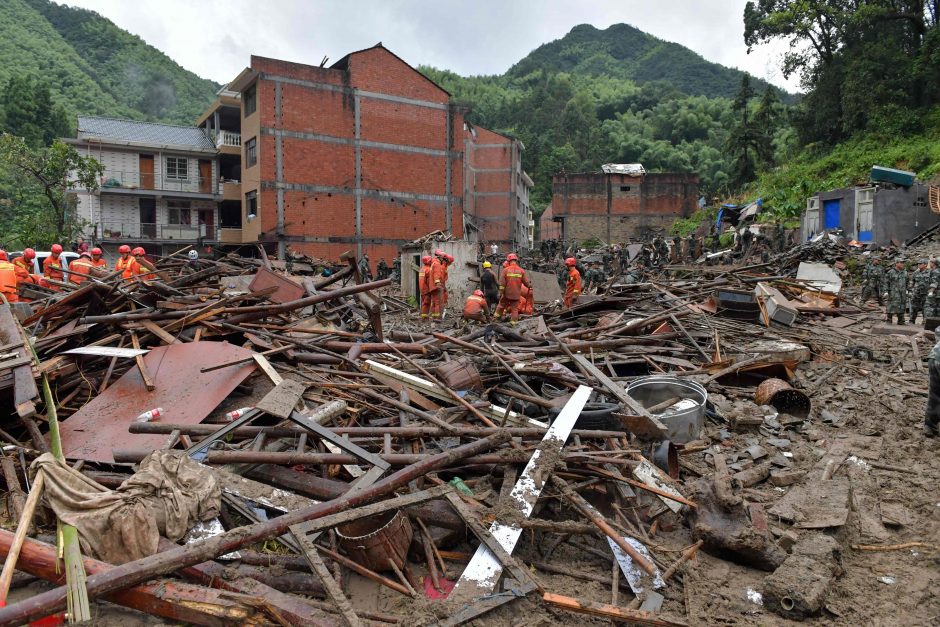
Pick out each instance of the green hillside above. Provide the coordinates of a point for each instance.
(94, 67)
(622, 51)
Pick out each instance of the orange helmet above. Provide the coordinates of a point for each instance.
(124, 249)
(512, 257)
(96, 251)
(478, 293)
(3, 256)
(138, 251)
(439, 253)
(450, 258)
(571, 262)
(29, 254)
(56, 249)
(86, 254)
(426, 260)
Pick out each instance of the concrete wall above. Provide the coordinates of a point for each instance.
(898, 214)
(461, 276)
(365, 156)
(618, 207)
(548, 228)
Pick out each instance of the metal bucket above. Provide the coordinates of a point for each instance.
(374, 541)
(783, 397)
(685, 422)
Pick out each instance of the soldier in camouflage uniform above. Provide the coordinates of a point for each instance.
(920, 286)
(932, 304)
(873, 277)
(895, 291)
(932, 417)
(662, 251)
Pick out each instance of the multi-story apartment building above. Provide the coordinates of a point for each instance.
(364, 155)
(160, 187)
(496, 195)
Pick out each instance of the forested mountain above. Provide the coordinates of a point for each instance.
(92, 66)
(625, 52)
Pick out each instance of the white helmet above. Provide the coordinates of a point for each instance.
(193, 255)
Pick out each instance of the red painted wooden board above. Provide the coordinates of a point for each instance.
(186, 395)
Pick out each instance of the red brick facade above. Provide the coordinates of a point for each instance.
(548, 228)
(364, 156)
(494, 197)
(616, 207)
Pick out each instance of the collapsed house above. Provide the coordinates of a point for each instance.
(236, 441)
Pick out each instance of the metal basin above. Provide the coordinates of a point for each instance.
(685, 419)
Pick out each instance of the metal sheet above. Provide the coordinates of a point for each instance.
(287, 290)
(107, 351)
(186, 395)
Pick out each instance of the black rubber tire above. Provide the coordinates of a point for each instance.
(596, 416)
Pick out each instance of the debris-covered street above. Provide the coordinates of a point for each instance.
(229, 441)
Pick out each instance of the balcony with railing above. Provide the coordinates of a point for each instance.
(158, 184)
(139, 231)
(229, 142)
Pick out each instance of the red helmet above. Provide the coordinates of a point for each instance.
(450, 258)
(426, 260)
(56, 249)
(124, 249)
(3, 256)
(478, 293)
(96, 251)
(29, 254)
(138, 251)
(86, 254)
(512, 257)
(571, 262)
(439, 253)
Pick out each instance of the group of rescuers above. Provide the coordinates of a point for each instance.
(131, 263)
(511, 294)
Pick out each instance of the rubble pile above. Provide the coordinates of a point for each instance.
(705, 445)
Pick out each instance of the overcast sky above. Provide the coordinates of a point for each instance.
(214, 38)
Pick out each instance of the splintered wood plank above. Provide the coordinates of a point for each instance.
(484, 570)
(604, 610)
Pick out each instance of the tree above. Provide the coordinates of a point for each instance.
(52, 171)
(29, 112)
(742, 142)
(766, 122)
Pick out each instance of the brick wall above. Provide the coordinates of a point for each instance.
(617, 207)
(404, 146)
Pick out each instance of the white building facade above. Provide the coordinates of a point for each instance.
(160, 188)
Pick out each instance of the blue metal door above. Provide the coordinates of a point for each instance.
(831, 214)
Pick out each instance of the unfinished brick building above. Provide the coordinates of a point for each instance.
(614, 206)
(496, 198)
(363, 155)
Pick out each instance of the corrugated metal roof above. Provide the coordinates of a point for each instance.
(634, 169)
(149, 133)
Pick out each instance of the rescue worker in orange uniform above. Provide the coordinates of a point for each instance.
(96, 259)
(475, 308)
(24, 268)
(527, 304)
(436, 284)
(510, 288)
(448, 260)
(424, 286)
(80, 269)
(8, 283)
(52, 265)
(142, 266)
(125, 263)
(573, 286)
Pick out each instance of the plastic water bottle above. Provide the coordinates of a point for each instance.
(148, 416)
(236, 414)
